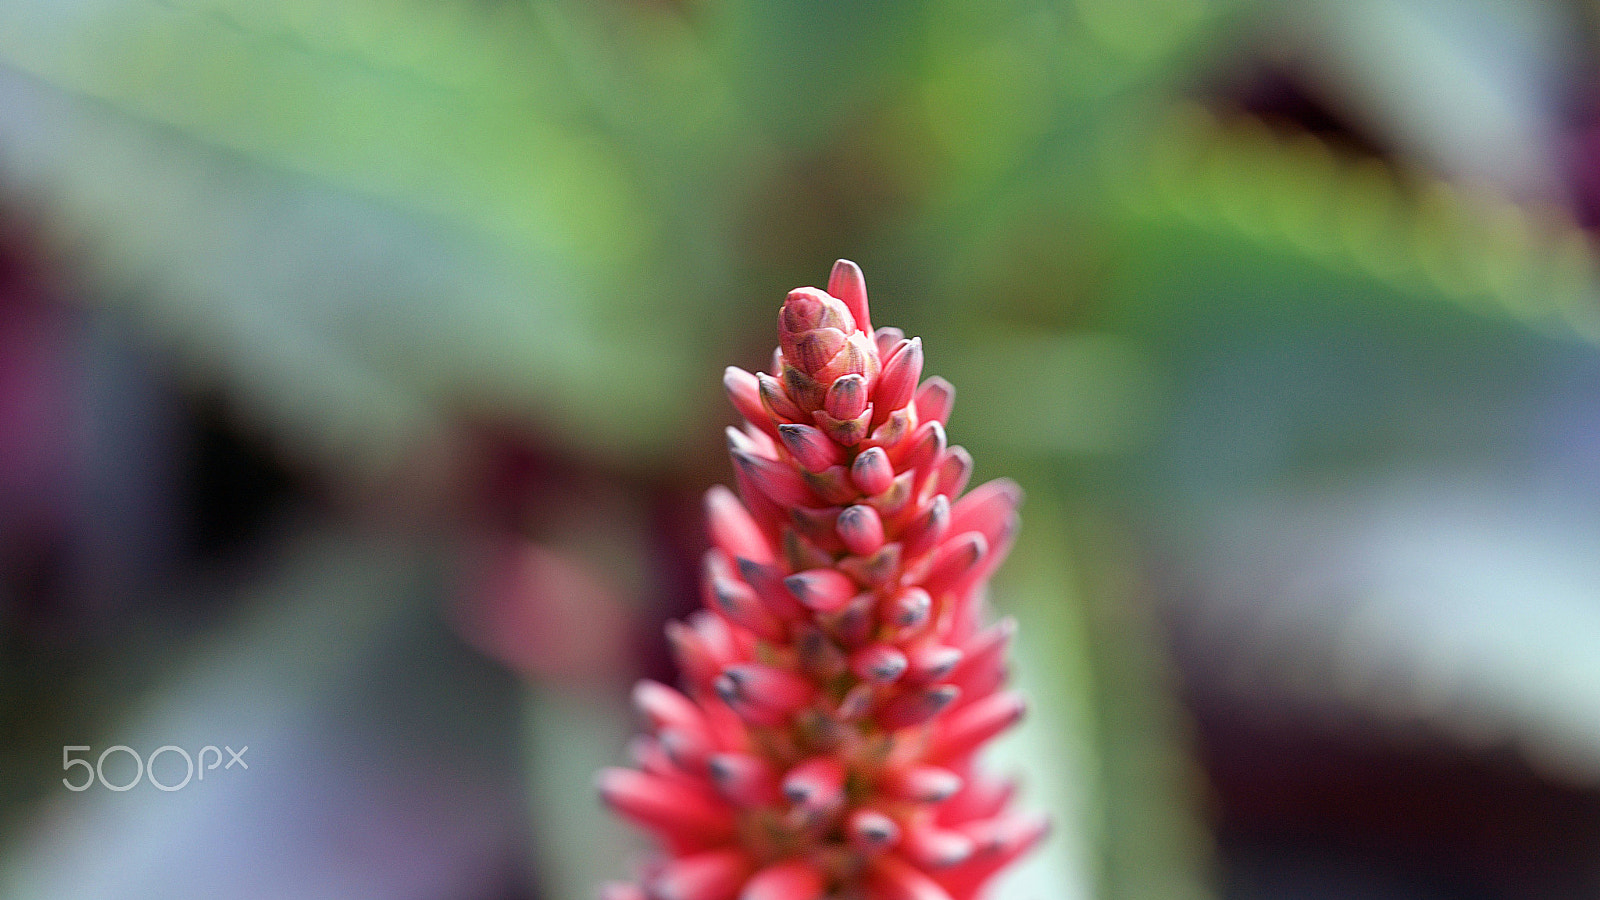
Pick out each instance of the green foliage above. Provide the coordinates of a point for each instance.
(372, 219)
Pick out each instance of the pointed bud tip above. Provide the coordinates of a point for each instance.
(847, 283)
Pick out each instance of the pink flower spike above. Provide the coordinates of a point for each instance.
(813, 328)
(855, 705)
(1021, 836)
(896, 497)
(858, 356)
(848, 284)
(647, 753)
(746, 440)
(847, 432)
(839, 681)
(792, 880)
(1006, 832)
(807, 309)
(999, 548)
(852, 624)
(831, 484)
(817, 525)
(812, 351)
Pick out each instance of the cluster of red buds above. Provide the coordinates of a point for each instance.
(841, 678)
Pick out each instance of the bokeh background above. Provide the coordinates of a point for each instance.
(360, 376)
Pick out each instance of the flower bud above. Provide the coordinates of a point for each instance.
(934, 400)
(861, 529)
(810, 448)
(871, 471)
(848, 284)
(812, 328)
(898, 383)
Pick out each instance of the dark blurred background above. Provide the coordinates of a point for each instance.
(360, 376)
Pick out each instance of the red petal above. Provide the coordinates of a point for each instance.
(895, 879)
(792, 880)
(744, 779)
(922, 783)
(986, 509)
(733, 528)
(934, 400)
(969, 728)
(674, 811)
(898, 383)
(712, 875)
(916, 706)
(745, 393)
(928, 528)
